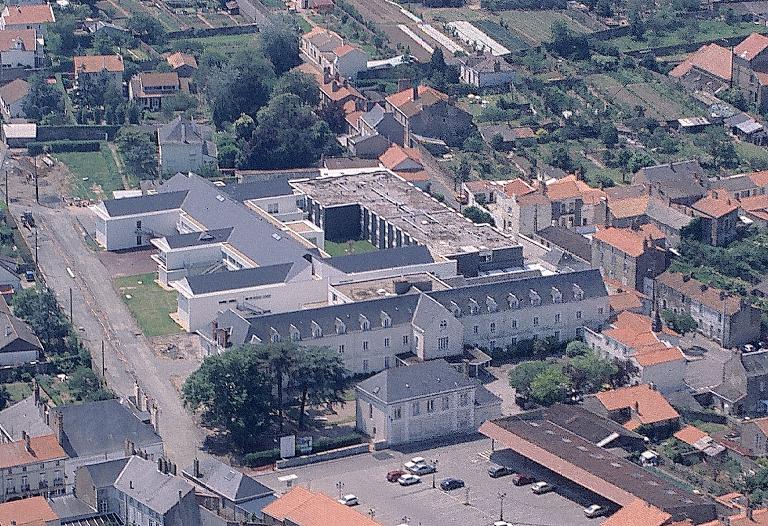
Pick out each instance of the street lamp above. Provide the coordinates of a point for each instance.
(371, 513)
(434, 464)
(501, 496)
(340, 487)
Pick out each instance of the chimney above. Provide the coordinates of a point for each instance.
(415, 91)
(714, 194)
(130, 484)
(686, 278)
(36, 391)
(214, 326)
(173, 469)
(722, 295)
(160, 464)
(196, 468)
(136, 393)
(26, 439)
(57, 425)
(637, 407)
(748, 511)
(335, 86)
(656, 327)
(326, 76)
(128, 446)
(497, 66)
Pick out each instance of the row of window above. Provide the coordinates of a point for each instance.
(536, 322)
(430, 406)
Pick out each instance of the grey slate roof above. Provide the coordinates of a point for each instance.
(679, 179)
(23, 416)
(258, 189)
(568, 240)
(382, 259)
(415, 381)
(239, 279)
(141, 480)
(194, 239)
(227, 481)
(182, 130)
(145, 203)
(666, 215)
(105, 474)
(374, 116)
(70, 507)
(755, 363)
(16, 335)
(736, 183)
(100, 427)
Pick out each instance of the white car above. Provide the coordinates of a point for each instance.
(540, 488)
(348, 500)
(409, 480)
(594, 511)
(501, 523)
(422, 469)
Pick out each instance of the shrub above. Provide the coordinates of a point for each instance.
(36, 148)
(327, 444)
(261, 458)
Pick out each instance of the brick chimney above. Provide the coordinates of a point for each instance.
(415, 92)
(214, 326)
(196, 468)
(26, 439)
(335, 86)
(57, 426)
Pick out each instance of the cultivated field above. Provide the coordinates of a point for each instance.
(536, 26)
(657, 101)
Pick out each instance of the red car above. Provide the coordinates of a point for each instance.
(518, 479)
(392, 476)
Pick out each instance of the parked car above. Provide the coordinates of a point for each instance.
(501, 523)
(30, 275)
(540, 488)
(395, 474)
(518, 479)
(348, 500)
(594, 511)
(423, 469)
(497, 471)
(409, 480)
(451, 483)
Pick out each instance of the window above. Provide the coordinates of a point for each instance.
(446, 403)
(442, 343)
(492, 327)
(578, 314)
(365, 346)
(535, 321)
(341, 349)
(557, 335)
(415, 408)
(398, 413)
(492, 344)
(386, 342)
(464, 399)
(370, 410)
(405, 339)
(386, 362)
(557, 318)
(600, 310)
(514, 324)
(272, 208)
(430, 406)
(475, 329)
(443, 325)
(365, 366)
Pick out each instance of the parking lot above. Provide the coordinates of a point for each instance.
(476, 505)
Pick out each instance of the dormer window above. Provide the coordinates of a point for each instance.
(557, 297)
(364, 323)
(443, 324)
(474, 308)
(514, 303)
(455, 309)
(534, 297)
(386, 320)
(341, 328)
(295, 333)
(274, 336)
(578, 293)
(490, 303)
(317, 331)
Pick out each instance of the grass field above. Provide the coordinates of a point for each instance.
(658, 101)
(18, 390)
(227, 44)
(708, 31)
(536, 26)
(92, 168)
(502, 35)
(149, 304)
(348, 248)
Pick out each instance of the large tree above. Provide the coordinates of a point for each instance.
(280, 358)
(146, 27)
(318, 378)
(300, 84)
(280, 44)
(41, 311)
(43, 98)
(240, 86)
(138, 152)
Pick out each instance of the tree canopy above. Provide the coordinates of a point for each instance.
(43, 99)
(138, 152)
(280, 44)
(146, 27)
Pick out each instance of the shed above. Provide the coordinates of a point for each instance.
(17, 135)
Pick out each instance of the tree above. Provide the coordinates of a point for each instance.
(43, 99)
(280, 44)
(5, 397)
(461, 173)
(680, 323)
(567, 44)
(318, 377)
(86, 386)
(589, 371)
(61, 34)
(576, 348)
(146, 27)
(437, 61)
(138, 152)
(300, 84)
(280, 358)
(241, 86)
(41, 311)
(476, 215)
(636, 24)
(523, 375)
(244, 127)
(550, 386)
(608, 135)
(561, 158)
(234, 392)
(102, 43)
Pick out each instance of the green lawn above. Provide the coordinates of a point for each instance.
(227, 44)
(92, 168)
(18, 390)
(149, 304)
(350, 247)
(708, 31)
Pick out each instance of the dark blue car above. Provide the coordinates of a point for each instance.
(449, 484)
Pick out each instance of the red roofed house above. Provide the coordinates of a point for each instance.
(428, 114)
(328, 50)
(150, 88)
(302, 507)
(720, 217)
(636, 406)
(749, 71)
(21, 48)
(754, 436)
(630, 255)
(182, 63)
(406, 162)
(699, 440)
(34, 511)
(710, 64)
(30, 16)
(32, 466)
(94, 68)
(575, 203)
(639, 513)
(639, 339)
(755, 208)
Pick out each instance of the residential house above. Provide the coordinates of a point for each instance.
(639, 512)
(10, 283)
(28, 16)
(748, 516)
(302, 507)
(370, 146)
(745, 127)
(423, 401)
(318, 45)
(94, 26)
(640, 408)
(719, 217)
(744, 387)
(31, 466)
(755, 209)
(576, 248)
(709, 67)
(679, 183)
(575, 203)
(185, 146)
(630, 255)
(406, 162)
(753, 436)
(645, 343)
(704, 444)
(318, 5)
(12, 98)
(184, 64)
(379, 121)
(240, 497)
(18, 344)
(742, 185)
(34, 511)
(508, 135)
(18, 135)
(99, 69)
(348, 61)
(522, 212)
(139, 491)
(486, 71)
(149, 88)
(427, 114)
(750, 69)
(720, 316)
(21, 48)
(638, 205)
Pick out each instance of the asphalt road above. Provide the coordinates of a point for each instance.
(100, 315)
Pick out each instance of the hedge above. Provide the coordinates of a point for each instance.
(36, 148)
(261, 458)
(327, 444)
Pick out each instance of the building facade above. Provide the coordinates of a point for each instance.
(630, 256)
(32, 466)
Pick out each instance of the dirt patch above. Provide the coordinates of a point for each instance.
(53, 178)
(178, 347)
(129, 263)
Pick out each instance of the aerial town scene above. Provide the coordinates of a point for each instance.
(384, 263)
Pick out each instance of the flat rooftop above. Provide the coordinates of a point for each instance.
(421, 216)
(380, 288)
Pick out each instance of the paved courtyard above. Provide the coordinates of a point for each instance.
(476, 505)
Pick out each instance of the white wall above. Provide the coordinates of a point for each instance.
(177, 157)
(120, 232)
(441, 269)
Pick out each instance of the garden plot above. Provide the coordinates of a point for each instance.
(441, 39)
(508, 38)
(654, 102)
(476, 38)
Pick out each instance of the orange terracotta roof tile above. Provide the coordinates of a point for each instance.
(517, 187)
(396, 155)
(305, 508)
(623, 301)
(427, 96)
(762, 424)
(10, 37)
(627, 240)
(638, 513)
(629, 207)
(751, 46)
(756, 202)
(97, 63)
(696, 290)
(29, 14)
(418, 176)
(478, 186)
(690, 435)
(731, 500)
(343, 50)
(570, 187)
(759, 518)
(27, 512)
(715, 206)
(711, 58)
(759, 178)
(659, 354)
(652, 406)
(42, 449)
(178, 59)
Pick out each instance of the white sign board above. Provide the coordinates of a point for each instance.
(288, 446)
(305, 445)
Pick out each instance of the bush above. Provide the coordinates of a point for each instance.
(261, 458)
(36, 148)
(327, 444)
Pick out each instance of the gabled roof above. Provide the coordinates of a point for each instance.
(427, 96)
(104, 474)
(382, 259)
(570, 187)
(145, 203)
(227, 481)
(34, 511)
(638, 513)
(28, 14)
(711, 58)
(141, 481)
(635, 332)
(184, 131)
(97, 63)
(759, 178)
(652, 407)
(41, 449)
(239, 279)
(305, 508)
(179, 59)
(715, 206)
(712, 297)
(759, 518)
(396, 155)
(630, 241)
(23, 416)
(751, 46)
(25, 38)
(14, 91)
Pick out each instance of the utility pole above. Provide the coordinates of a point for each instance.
(71, 318)
(7, 198)
(37, 187)
(103, 365)
(36, 262)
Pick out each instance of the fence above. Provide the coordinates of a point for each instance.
(214, 31)
(76, 133)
